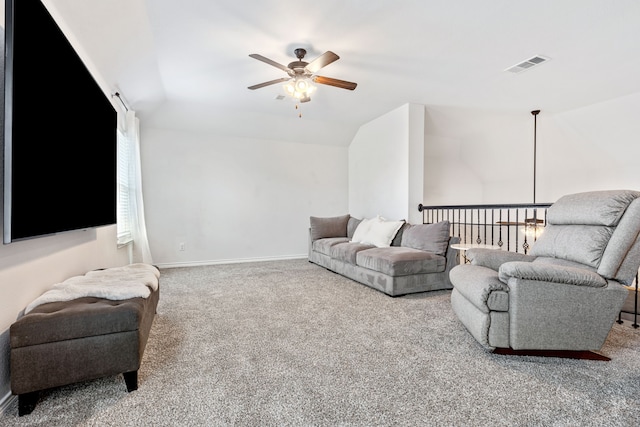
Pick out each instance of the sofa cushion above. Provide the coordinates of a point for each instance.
(376, 231)
(329, 227)
(400, 261)
(346, 252)
(323, 246)
(427, 237)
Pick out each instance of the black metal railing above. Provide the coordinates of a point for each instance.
(513, 227)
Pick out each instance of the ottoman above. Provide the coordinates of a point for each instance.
(60, 343)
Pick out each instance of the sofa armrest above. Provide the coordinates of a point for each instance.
(550, 273)
(494, 258)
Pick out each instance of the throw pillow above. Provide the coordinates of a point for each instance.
(362, 229)
(427, 237)
(377, 231)
(329, 227)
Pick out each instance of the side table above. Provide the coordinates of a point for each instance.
(462, 248)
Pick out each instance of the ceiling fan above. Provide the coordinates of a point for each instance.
(301, 74)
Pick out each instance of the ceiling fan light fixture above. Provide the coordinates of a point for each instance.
(290, 88)
(302, 85)
(299, 88)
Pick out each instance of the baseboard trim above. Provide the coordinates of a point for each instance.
(6, 401)
(228, 261)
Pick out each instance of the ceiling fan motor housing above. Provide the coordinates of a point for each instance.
(298, 66)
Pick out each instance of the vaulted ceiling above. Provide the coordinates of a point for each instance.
(186, 64)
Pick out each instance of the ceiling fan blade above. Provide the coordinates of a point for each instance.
(270, 62)
(335, 82)
(271, 82)
(322, 61)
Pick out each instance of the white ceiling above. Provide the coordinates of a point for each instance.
(185, 63)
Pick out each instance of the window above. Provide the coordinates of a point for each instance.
(124, 190)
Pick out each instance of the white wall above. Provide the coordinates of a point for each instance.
(475, 156)
(235, 199)
(595, 147)
(385, 166)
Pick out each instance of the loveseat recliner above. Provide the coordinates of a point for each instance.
(563, 297)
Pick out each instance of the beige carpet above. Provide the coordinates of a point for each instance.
(287, 343)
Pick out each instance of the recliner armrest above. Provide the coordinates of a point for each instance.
(550, 273)
(494, 258)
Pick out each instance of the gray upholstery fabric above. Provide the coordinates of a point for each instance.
(427, 237)
(397, 240)
(329, 227)
(477, 284)
(499, 330)
(347, 251)
(580, 243)
(554, 316)
(392, 285)
(323, 246)
(88, 316)
(39, 362)
(400, 261)
(493, 258)
(550, 273)
(320, 259)
(476, 321)
(591, 208)
(561, 262)
(621, 258)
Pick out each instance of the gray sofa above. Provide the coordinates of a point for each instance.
(566, 293)
(413, 258)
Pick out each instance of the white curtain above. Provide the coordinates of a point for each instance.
(141, 250)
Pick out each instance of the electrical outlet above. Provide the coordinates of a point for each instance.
(181, 247)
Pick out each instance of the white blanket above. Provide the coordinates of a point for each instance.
(117, 283)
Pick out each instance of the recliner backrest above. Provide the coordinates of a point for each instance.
(583, 228)
(621, 258)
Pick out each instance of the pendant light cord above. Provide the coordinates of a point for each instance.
(535, 128)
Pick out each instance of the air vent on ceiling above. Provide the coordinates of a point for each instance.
(529, 63)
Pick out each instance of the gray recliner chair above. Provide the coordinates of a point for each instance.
(563, 297)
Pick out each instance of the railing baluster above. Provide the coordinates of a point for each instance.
(476, 224)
